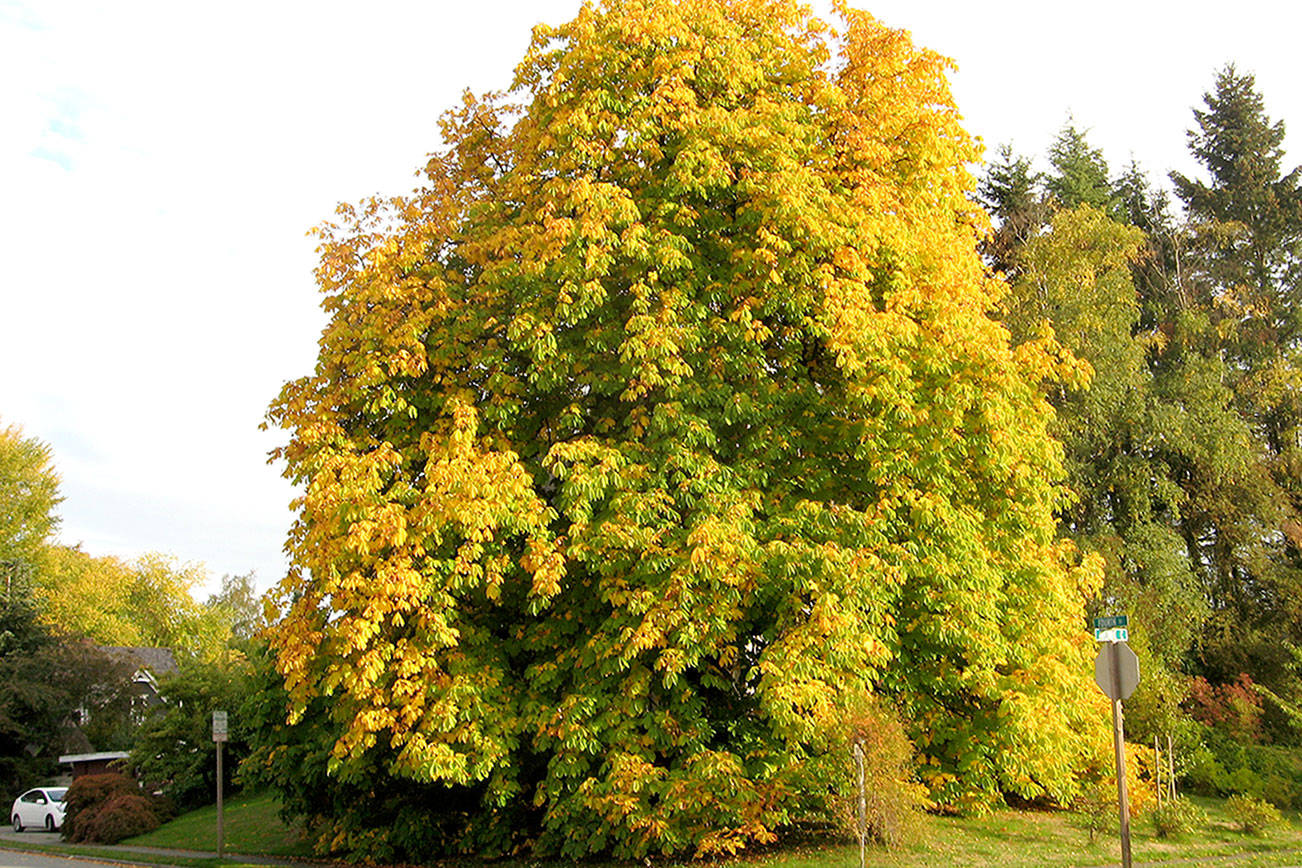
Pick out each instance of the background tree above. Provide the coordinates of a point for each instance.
(1080, 174)
(1013, 194)
(174, 752)
(1181, 452)
(146, 602)
(29, 492)
(1247, 221)
(238, 604)
(663, 423)
(46, 681)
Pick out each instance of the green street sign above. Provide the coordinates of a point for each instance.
(1110, 622)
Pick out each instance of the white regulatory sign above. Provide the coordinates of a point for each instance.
(219, 726)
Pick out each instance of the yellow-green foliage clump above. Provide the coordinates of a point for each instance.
(663, 424)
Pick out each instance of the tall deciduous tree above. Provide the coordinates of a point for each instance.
(148, 601)
(661, 426)
(29, 492)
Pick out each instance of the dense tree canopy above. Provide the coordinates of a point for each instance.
(47, 683)
(29, 491)
(665, 423)
(1183, 452)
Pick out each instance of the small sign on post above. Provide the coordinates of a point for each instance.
(1113, 628)
(1116, 671)
(219, 729)
(219, 735)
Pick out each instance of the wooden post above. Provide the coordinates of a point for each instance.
(1157, 771)
(863, 804)
(220, 818)
(1119, 744)
(1170, 761)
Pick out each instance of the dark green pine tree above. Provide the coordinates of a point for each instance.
(1013, 193)
(1244, 528)
(1255, 212)
(1080, 174)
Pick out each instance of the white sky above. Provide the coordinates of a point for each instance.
(161, 162)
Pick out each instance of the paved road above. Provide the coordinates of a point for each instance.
(14, 859)
(120, 853)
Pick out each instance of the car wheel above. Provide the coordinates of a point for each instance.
(18, 823)
(49, 822)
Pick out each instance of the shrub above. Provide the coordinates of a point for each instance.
(124, 815)
(1234, 707)
(1223, 766)
(1097, 806)
(1176, 818)
(893, 799)
(87, 795)
(104, 809)
(1254, 816)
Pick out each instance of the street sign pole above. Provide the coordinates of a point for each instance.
(220, 830)
(1119, 746)
(219, 735)
(1116, 671)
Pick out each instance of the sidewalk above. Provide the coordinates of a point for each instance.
(43, 842)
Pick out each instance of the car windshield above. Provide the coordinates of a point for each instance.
(56, 794)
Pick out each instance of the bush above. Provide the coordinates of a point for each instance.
(1254, 816)
(123, 816)
(86, 796)
(1097, 806)
(1223, 766)
(893, 799)
(1176, 818)
(104, 809)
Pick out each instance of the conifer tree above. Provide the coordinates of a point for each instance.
(1243, 527)
(1080, 173)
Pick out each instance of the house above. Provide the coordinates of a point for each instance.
(149, 664)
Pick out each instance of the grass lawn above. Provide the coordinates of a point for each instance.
(1008, 839)
(250, 825)
(1029, 839)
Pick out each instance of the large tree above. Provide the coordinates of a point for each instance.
(660, 428)
(29, 492)
(1246, 529)
(48, 685)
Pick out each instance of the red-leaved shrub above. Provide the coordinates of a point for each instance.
(104, 809)
(1234, 707)
(123, 816)
(86, 796)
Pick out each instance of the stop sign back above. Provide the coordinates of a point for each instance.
(1116, 670)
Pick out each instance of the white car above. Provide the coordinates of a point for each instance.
(42, 806)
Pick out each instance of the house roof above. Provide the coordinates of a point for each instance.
(92, 757)
(159, 661)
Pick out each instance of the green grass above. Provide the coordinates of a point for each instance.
(250, 825)
(1008, 839)
(1029, 839)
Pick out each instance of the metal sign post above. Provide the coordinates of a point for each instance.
(219, 736)
(1116, 671)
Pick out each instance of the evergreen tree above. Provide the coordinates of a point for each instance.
(1080, 174)
(1012, 192)
(1242, 522)
(1255, 212)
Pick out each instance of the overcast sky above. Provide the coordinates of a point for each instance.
(161, 162)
